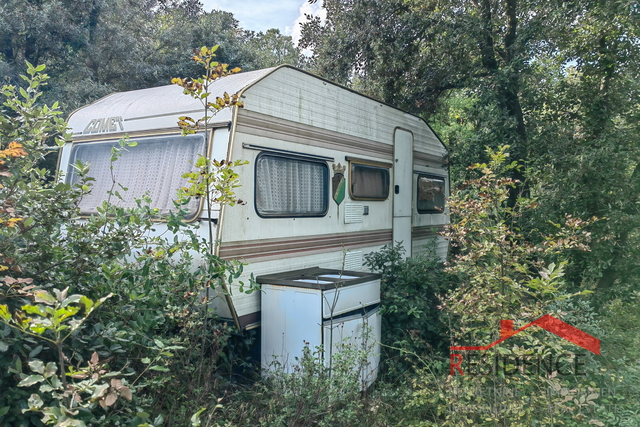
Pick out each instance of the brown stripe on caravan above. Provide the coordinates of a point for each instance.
(426, 231)
(430, 159)
(266, 249)
(257, 124)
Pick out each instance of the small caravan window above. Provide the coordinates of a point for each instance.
(369, 182)
(290, 187)
(431, 194)
(153, 167)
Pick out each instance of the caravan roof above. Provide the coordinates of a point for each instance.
(154, 108)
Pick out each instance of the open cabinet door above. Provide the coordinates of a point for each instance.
(402, 188)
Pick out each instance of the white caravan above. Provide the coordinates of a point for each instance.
(300, 134)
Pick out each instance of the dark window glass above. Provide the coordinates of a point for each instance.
(431, 194)
(369, 182)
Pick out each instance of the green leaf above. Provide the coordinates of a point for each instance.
(87, 303)
(50, 370)
(45, 388)
(44, 297)
(37, 328)
(195, 418)
(103, 299)
(4, 410)
(35, 402)
(56, 382)
(36, 351)
(34, 309)
(70, 422)
(31, 380)
(37, 365)
(63, 313)
(99, 391)
(4, 313)
(3, 346)
(159, 368)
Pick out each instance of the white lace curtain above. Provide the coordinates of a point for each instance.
(153, 167)
(290, 187)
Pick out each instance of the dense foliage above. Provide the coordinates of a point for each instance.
(411, 321)
(557, 82)
(96, 47)
(66, 356)
(101, 321)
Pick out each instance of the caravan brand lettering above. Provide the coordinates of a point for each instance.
(106, 124)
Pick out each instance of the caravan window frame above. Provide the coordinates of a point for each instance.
(141, 138)
(372, 165)
(291, 213)
(444, 193)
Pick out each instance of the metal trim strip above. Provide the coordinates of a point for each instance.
(430, 159)
(288, 153)
(366, 162)
(299, 246)
(252, 123)
(426, 231)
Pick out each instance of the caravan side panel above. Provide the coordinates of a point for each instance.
(292, 112)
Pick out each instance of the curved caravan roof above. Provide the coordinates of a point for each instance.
(157, 109)
(153, 109)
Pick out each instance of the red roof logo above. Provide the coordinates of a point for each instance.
(548, 323)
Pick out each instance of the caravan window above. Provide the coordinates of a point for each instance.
(431, 194)
(153, 167)
(290, 187)
(369, 182)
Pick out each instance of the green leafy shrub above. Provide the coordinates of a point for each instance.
(411, 324)
(306, 392)
(156, 330)
(503, 274)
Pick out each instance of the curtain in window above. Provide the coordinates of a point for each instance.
(369, 182)
(153, 167)
(290, 187)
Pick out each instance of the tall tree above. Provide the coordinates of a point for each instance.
(41, 31)
(588, 147)
(412, 53)
(95, 47)
(271, 48)
(556, 81)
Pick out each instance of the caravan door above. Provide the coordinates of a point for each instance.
(402, 188)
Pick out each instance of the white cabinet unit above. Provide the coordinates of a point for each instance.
(320, 308)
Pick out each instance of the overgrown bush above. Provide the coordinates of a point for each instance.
(503, 275)
(411, 323)
(304, 393)
(154, 338)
